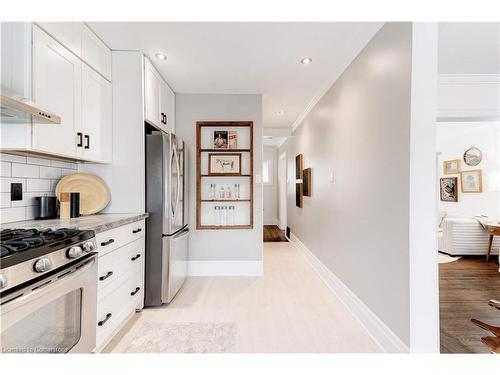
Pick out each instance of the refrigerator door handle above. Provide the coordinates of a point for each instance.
(177, 198)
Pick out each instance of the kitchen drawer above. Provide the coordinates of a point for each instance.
(124, 261)
(114, 238)
(113, 310)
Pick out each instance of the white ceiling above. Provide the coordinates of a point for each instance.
(469, 48)
(247, 58)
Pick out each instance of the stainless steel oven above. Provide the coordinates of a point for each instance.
(54, 313)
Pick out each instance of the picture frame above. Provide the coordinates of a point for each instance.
(298, 194)
(220, 139)
(448, 189)
(298, 166)
(306, 182)
(451, 166)
(226, 164)
(473, 156)
(233, 140)
(472, 181)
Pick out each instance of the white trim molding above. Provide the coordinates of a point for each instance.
(225, 268)
(387, 340)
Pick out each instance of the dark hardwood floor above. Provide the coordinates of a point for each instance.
(465, 287)
(272, 233)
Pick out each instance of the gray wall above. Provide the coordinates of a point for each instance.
(231, 244)
(360, 130)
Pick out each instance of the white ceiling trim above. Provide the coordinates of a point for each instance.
(355, 50)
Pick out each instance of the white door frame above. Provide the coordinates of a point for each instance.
(282, 193)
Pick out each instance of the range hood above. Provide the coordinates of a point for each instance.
(16, 111)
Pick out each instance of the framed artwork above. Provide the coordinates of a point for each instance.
(473, 156)
(220, 139)
(298, 167)
(306, 182)
(451, 166)
(233, 140)
(298, 195)
(448, 189)
(224, 164)
(472, 181)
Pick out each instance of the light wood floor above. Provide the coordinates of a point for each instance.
(288, 310)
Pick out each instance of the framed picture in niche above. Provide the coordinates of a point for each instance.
(451, 166)
(306, 182)
(224, 164)
(448, 189)
(472, 181)
(221, 139)
(233, 140)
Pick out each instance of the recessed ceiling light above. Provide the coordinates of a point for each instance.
(281, 112)
(306, 60)
(161, 56)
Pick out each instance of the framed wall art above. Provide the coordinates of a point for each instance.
(473, 156)
(221, 139)
(451, 166)
(224, 164)
(298, 166)
(306, 182)
(472, 181)
(448, 189)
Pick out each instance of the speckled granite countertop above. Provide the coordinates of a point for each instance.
(98, 223)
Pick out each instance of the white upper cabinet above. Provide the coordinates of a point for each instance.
(57, 87)
(152, 85)
(69, 34)
(96, 130)
(96, 53)
(159, 101)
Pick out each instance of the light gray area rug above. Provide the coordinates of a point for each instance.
(184, 338)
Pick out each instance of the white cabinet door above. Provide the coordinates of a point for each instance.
(96, 53)
(96, 117)
(167, 106)
(152, 87)
(56, 87)
(69, 34)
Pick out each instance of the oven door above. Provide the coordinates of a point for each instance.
(56, 314)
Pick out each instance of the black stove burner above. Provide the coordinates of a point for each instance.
(4, 250)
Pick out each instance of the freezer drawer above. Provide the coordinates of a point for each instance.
(175, 259)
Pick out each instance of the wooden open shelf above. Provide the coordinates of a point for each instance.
(221, 125)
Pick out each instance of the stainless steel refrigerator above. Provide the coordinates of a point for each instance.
(167, 230)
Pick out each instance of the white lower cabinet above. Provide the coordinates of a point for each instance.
(120, 284)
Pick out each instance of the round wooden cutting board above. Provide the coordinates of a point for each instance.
(94, 193)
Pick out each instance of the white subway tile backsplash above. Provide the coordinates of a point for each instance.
(65, 171)
(30, 212)
(50, 172)
(28, 199)
(6, 181)
(4, 200)
(37, 185)
(25, 170)
(13, 158)
(5, 168)
(63, 164)
(37, 161)
(8, 215)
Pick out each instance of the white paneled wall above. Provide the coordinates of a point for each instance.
(39, 178)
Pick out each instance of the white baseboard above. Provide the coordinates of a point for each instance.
(271, 221)
(376, 328)
(225, 268)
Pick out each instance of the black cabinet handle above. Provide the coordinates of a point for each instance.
(136, 257)
(135, 291)
(137, 230)
(108, 242)
(108, 315)
(165, 120)
(87, 138)
(80, 139)
(106, 276)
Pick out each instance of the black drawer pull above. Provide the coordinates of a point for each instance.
(106, 276)
(137, 230)
(108, 242)
(80, 139)
(101, 323)
(87, 137)
(136, 257)
(135, 291)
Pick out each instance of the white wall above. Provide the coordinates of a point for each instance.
(360, 130)
(452, 140)
(217, 245)
(271, 191)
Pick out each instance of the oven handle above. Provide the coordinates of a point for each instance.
(73, 271)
